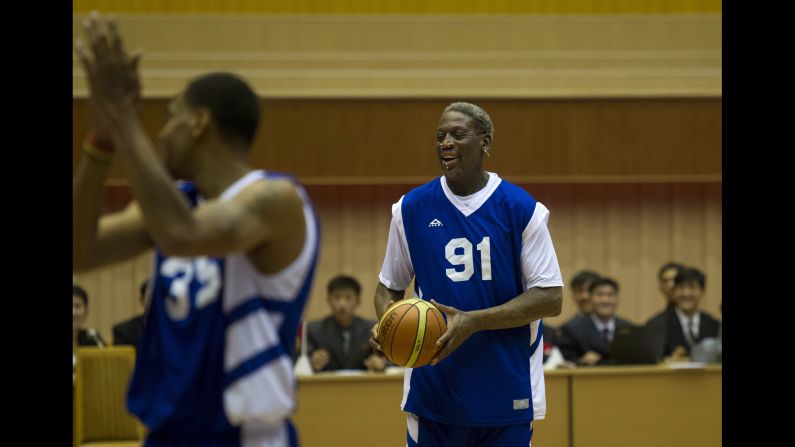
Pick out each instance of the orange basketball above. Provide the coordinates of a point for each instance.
(408, 330)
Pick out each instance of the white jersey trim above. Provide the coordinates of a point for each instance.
(537, 384)
(274, 380)
(406, 386)
(413, 426)
(249, 336)
(397, 270)
(540, 266)
(264, 435)
(471, 203)
(241, 183)
(285, 284)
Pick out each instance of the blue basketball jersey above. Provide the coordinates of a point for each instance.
(214, 365)
(472, 262)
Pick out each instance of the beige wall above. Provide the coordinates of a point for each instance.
(431, 55)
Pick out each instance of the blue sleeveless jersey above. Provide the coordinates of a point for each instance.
(471, 262)
(212, 334)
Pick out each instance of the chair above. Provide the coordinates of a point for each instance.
(101, 380)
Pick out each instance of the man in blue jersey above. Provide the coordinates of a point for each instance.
(478, 247)
(236, 250)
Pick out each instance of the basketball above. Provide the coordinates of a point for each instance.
(408, 330)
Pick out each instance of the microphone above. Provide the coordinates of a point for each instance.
(303, 366)
(92, 334)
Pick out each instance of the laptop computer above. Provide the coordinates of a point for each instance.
(636, 345)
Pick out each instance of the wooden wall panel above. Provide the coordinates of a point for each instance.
(712, 237)
(625, 231)
(390, 141)
(655, 241)
(593, 54)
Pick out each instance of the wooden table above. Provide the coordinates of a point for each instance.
(646, 406)
(587, 407)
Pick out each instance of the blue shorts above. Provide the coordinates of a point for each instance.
(423, 432)
(282, 436)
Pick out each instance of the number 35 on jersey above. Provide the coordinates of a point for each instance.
(193, 281)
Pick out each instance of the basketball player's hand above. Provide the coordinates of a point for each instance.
(459, 327)
(111, 73)
(320, 359)
(374, 339)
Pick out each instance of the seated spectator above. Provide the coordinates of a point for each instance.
(553, 358)
(665, 280)
(687, 324)
(80, 336)
(586, 339)
(128, 332)
(340, 341)
(580, 287)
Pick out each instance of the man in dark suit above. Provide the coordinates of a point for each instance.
(665, 282)
(340, 341)
(128, 332)
(581, 291)
(586, 339)
(686, 325)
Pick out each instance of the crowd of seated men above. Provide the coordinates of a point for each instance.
(339, 341)
(681, 331)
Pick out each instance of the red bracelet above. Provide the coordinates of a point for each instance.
(95, 143)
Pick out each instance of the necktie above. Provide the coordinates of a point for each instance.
(690, 329)
(606, 336)
(346, 342)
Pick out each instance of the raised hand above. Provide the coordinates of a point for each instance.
(112, 74)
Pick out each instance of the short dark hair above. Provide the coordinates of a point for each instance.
(344, 282)
(144, 286)
(584, 277)
(668, 266)
(603, 281)
(232, 103)
(80, 292)
(688, 275)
